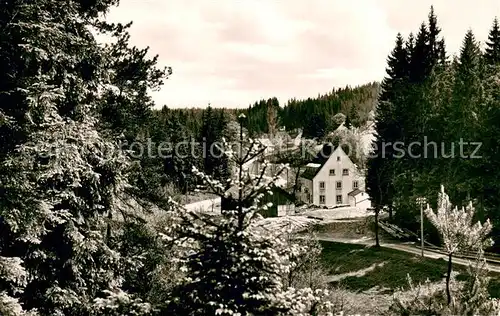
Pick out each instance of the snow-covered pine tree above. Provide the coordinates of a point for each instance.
(468, 297)
(60, 179)
(125, 110)
(457, 231)
(233, 266)
(474, 298)
(58, 190)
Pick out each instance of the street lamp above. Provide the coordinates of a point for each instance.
(241, 118)
(421, 201)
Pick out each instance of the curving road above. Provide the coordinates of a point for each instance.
(406, 247)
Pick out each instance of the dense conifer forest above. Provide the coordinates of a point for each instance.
(449, 106)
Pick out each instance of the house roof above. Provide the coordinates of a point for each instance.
(321, 158)
(354, 192)
(282, 192)
(309, 173)
(233, 192)
(266, 142)
(313, 165)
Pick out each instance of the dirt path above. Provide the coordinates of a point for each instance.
(210, 205)
(358, 273)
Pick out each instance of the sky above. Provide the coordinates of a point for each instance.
(231, 53)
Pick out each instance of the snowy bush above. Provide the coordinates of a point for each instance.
(457, 231)
(306, 270)
(10, 306)
(469, 297)
(118, 303)
(421, 299)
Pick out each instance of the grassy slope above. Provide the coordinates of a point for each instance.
(342, 258)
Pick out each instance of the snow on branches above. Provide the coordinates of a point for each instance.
(456, 228)
(235, 262)
(459, 234)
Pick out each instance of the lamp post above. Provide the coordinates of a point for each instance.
(241, 118)
(421, 201)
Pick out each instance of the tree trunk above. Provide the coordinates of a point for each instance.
(390, 212)
(448, 276)
(241, 216)
(296, 184)
(108, 228)
(377, 243)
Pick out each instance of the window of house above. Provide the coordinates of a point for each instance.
(339, 199)
(332, 172)
(338, 158)
(322, 185)
(321, 199)
(345, 172)
(355, 184)
(339, 185)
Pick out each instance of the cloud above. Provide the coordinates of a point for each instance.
(232, 53)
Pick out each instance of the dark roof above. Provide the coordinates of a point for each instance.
(309, 173)
(320, 159)
(354, 192)
(233, 191)
(282, 192)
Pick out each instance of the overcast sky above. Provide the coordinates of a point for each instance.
(233, 52)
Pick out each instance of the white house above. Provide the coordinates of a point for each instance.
(268, 144)
(332, 179)
(359, 199)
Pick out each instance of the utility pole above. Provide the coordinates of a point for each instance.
(421, 201)
(286, 153)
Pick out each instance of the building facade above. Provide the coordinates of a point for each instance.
(359, 199)
(330, 178)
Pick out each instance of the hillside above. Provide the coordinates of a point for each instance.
(355, 103)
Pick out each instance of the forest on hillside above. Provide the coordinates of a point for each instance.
(355, 103)
(264, 118)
